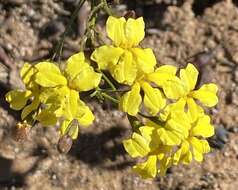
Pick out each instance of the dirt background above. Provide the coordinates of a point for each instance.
(205, 32)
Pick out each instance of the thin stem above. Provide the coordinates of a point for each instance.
(90, 24)
(145, 116)
(152, 118)
(110, 97)
(59, 46)
(135, 123)
(106, 7)
(94, 94)
(96, 9)
(108, 81)
(110, 90)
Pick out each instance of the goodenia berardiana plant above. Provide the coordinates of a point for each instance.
(175, 127)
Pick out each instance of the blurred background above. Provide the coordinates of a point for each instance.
(204, 32)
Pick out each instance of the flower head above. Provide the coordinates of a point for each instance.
(184, 87)
(153, 99)
(123, 59)
(61, 92)
(58, 92)
(173, 139)
(19, 99)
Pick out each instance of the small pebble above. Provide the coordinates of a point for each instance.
(219, 139)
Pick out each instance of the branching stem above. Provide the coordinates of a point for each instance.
(59, 46)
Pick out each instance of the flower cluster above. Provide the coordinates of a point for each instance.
(176, 131)
(175, 126)
(52, 94)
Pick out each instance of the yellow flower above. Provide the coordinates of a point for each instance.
(147, 169)
(18, 99)
(58, 90)
(124, 60)
(195, 145)
(156, 141)
(199, 128)
(177, 136)
(147, 144)
(61, 90)
(153, 99)
(183, 87)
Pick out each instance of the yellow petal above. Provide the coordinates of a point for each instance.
(137, 146)
(174, 88)
(153, 99)
(84, 115)
(49, 75)
(31, 107)
(71, 105)
(46, 117)
(26, 73)
(167, 69)
(176, 119)
(116, 30)
(55, 99)
(146, 132)
(86, 80)
(144, 59)
(134, 31)
(167, 137)
(80, 74)
(106, 55)
(53, 94)
(165, 163)
(125, 33)
(177, 106)
(17, 98)
(199, 147)
(130, 101)
(150, 134)
(162, 74)
(125, 71)
(203, 127)
(148, 169)
(74, 65)
(179, 123)
(194, 110)
(206, 94)
(189, 77)
(63, 102)
(183, 154)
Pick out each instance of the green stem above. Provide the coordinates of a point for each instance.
(110, 97)
(108, 81)
(94, 94)
(59, 46)
(90, 24)
(152, 118)
(135, 123)
(106, 7)
(145, 116)
(110, 90)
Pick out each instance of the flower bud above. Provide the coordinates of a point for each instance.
(65, 143)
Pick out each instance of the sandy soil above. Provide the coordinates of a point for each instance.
(178, 31)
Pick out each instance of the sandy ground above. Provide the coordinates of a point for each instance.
(177, 31)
